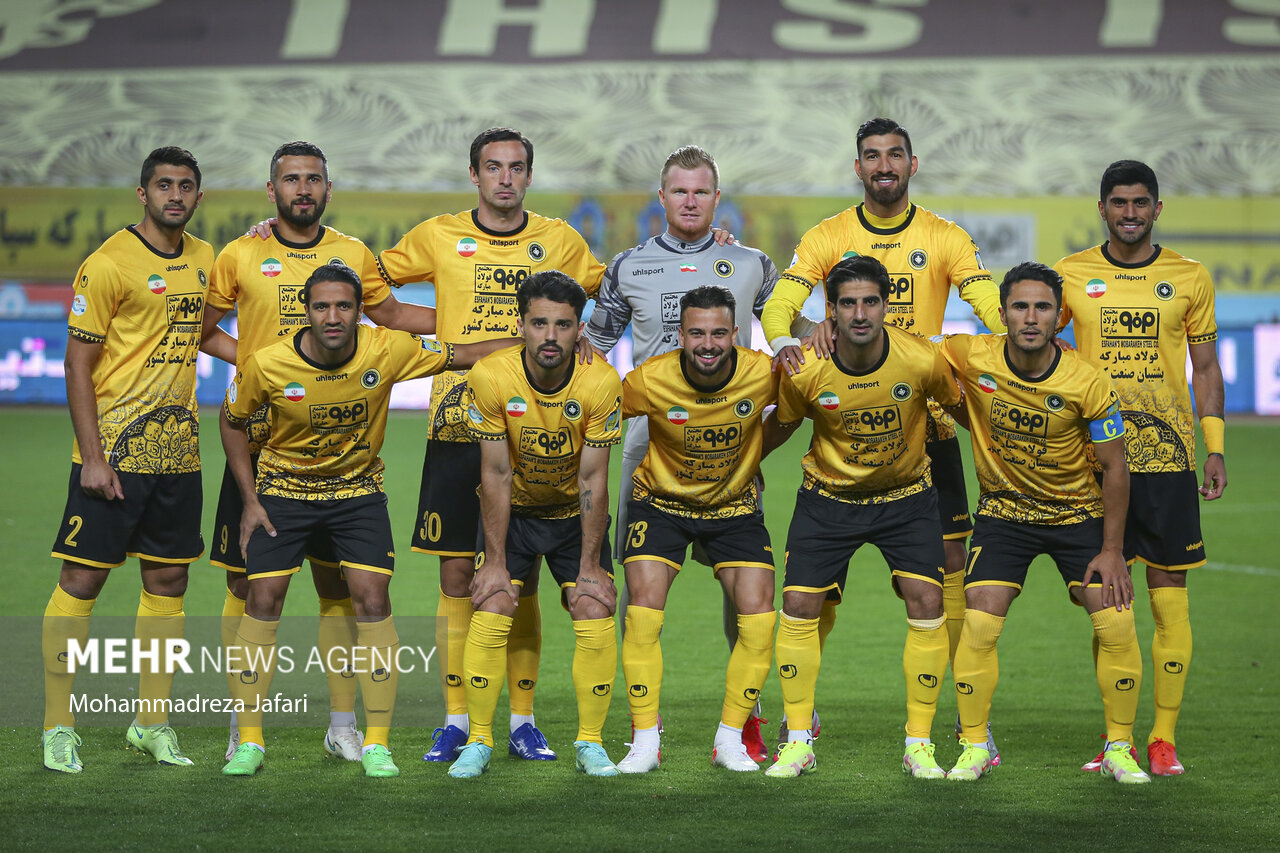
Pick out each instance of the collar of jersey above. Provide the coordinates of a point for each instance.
(297, 347)
(475, 220)
(673, 244)
(876, 225)
(568, 377)
(840, 365)
(1057, 358)
(143, 240)
(1136, 266)
(288, 244)
(733, 361)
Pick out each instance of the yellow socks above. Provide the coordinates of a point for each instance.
(1170, 656)
(642, 664)
(524, 651)
(595, 664)
(486, 664)
(1119, 666)
(254, 657)
(924, 662)
(799, 652)
(826, 621)
(748, 667)
(337, 634)
(65, 618)
(160, 618)
(453, 618)
(976, 670)
(953, 609)
(379, 678)
(232, 613)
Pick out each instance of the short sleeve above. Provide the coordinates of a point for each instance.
(98, 294)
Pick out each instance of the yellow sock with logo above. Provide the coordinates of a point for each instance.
(379, 677)
(254, 658)
(595, 664)
(486, 665)
(1171, 656)
(524, 651)
(1119, 667)
(453, 618)
(748, 667)
(826, 621)
(642, 664)
(160, 618)
(799, 652)
(65, 618)
(336, 636)
(976, 670)
(924, 662)
(953, 609)
(232, 613)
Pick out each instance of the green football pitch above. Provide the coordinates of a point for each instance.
(1047, 712)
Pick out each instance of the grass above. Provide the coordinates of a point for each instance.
(1047, 713)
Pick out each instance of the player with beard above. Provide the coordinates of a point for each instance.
(261, 280)
(926, 256)
(1140, 311)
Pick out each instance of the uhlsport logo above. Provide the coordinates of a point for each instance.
(602, 689)
(927, 680)
(638, 690)
(466, 247)
(787, 670)
(516, 407)
(828, 401)
(271, 268)
(156, 284)
(294, 392)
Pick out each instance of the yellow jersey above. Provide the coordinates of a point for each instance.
(1033, 438)
(146, 308)
(1135, 322)
(704, 443)
(545, 430)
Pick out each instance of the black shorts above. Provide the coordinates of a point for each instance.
(948, 478)
(1162, 528)
(652, 534)
(1001, 551)
(559, 540)
(158, 520)
(226, 530)
(448, 504)
(825, 533)
(359, 529)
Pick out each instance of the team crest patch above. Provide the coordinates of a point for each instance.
(919, 259)
(79, 305)
(678, 415)
(516, 407)
(271, 268)
(1055, 403)
(338, 261)
(294, 392)
(901, 392)
(572, 409)
(1095, 288)
(743, 408)
(371, 378)
(466, 247)
(723, 268)
(474, 414)
(987, 383)
(203, 279)
(1164, 291)
(536, 252)
(156, 284)
(828, 401)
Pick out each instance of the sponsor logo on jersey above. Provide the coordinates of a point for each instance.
(271, 268)
(723, 268)
(712, 439)
(516, 407)
(872, 422)
(340, 416)
(919, 259)
(648, 270)
(304, 256)
(1131, 324)
(474, 414)
(572, 409)
(987, 383)
(79, 305)
(466, 247)
(184, 310)
(371, 378)
(499, 280)
(430, 345)
(875, 246)
(901, 392)
(1054, 403)
(1164, 291)
(546, 443)
(536, 252)
(1095, 288)
(1018, 418)
(295, 392)
(901, 291)
(828, 401)
(743, 408)
(688, 268)
(156, 284)
(614, 419)
(678, 415)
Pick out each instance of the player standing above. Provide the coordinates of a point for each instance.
(926, 256)
(1041, 421)
(642, 288)
(477, 259)
(261, 279)
(134, 489)
(866, 480)
(1140, 309)
(545, 425)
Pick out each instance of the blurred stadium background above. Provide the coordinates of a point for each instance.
(1015, 108)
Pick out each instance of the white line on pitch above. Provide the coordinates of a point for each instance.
(1243, 570)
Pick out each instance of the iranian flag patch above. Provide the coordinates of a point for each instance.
(677, 415)
(516, 407)
(271, 268)
(156, 284)
(466, 247)
(828, 401)
(295, 392)
(1095, 288)
(688, 268)
(987, 383)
